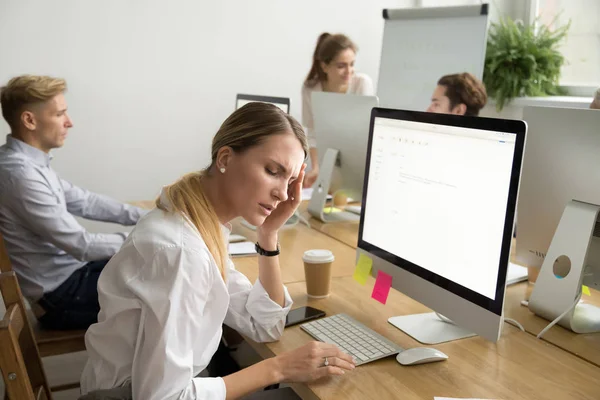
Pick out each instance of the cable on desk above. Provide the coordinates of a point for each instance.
(551, 324)
(302, 219)
(507, 320)
(445, 319)
(514, 322)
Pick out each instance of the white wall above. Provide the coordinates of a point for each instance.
(150, 81)
(516, 9)
(582, 46)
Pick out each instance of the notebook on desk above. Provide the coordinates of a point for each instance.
(241, 249)
(516, 273)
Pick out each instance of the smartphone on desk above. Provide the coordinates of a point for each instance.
(302, 314)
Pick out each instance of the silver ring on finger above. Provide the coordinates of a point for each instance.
(326, 362)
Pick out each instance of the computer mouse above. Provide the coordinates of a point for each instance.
(420, 355)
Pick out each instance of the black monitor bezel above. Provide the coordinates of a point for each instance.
(518, 128)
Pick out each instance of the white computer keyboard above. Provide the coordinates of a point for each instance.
(352, 337)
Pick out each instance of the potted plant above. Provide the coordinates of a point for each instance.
(522, 60)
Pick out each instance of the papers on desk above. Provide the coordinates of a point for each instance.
(241, 249)
(516, 273)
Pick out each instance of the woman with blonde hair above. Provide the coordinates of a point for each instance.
(332, 70)
(165, 295)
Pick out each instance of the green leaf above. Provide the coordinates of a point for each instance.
(522, 60)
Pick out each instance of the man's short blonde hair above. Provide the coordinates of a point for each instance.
(26, 90)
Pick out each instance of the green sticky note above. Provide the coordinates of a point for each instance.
(363, 269)
(586, 290)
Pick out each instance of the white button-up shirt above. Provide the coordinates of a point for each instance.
(163, 302)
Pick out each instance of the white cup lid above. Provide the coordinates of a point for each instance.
(318, 256)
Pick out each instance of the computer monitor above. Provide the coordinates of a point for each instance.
(341, 124)
(562, 163)
(439, 202)
(281, 102)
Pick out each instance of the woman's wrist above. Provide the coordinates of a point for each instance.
(274, 366)
(267, 240)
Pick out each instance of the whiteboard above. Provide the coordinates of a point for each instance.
(420, 45)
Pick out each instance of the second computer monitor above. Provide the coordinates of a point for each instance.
(341, 124)
(558, 228)
(438, 208)
(281, 102)
(562, 163)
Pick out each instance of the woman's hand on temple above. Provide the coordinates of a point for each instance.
(310, 178)
(286, 208)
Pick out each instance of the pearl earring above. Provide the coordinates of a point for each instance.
(222, 170)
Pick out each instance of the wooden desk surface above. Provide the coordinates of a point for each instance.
(341, 238)
(345, 232)
(517, 367)
(586, 346)
(294, 241)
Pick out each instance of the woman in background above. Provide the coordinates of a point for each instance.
(332, 71)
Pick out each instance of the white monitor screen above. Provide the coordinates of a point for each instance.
(437, 197)
(243, 102)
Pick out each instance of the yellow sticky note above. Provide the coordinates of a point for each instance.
(328, 210)
(586, 290)
(363, 269)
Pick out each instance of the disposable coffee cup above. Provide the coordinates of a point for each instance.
(317, 270)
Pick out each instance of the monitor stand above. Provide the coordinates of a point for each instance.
(428, 328)
(558, 284)
(317, 207)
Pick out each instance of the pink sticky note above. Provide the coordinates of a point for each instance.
(381, 290)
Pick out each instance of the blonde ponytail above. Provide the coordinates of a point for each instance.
(187, 197)
(248, 126)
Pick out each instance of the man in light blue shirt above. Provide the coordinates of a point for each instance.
(56, 260)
